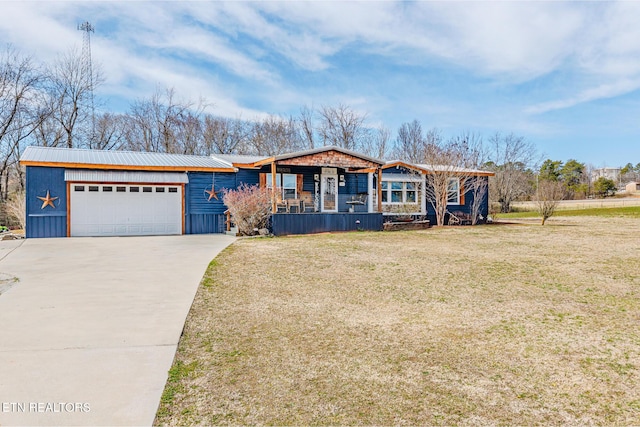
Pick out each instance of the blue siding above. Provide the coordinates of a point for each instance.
(465, 208)
(247, 176)
(203, 215)
(204, 223)
(309, 223)
(355, 184)
(47, 222)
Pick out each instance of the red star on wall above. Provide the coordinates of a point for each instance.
(47, 200)
(212, 194)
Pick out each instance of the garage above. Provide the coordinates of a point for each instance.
(125, 210)
(119, 203)
(78, 192)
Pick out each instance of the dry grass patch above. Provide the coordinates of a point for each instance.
(516, 324)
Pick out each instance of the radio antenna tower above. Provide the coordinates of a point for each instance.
(87, 71)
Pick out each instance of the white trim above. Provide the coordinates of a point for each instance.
(282, 187)
(80, 175)
(457, 202)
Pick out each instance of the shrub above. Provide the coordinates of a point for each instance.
(16, 208)
(250, 207)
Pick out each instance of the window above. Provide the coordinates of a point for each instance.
(410, 192)
(400, 192)
(453, 192)
(107, 189)
(396, 192)
(146, 189)
(159, 189)
(79, 188)
(93, 188)
(287, 182)
(173, 189)
(134, 189)
(121, 189)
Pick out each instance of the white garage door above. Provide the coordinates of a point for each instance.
(125, 210)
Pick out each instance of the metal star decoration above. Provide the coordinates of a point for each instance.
(212, 194)
(47, 200)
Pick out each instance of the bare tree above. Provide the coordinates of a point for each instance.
(306, 127)
(21, 84)
(511, 158)
(478, 188)
(274, 135)
(342, 126)
(449, 165)
(158, 124)
(109, 132)
(410, 142)
(71, 91)
(224, 135)
(548, 195)
(377, 145)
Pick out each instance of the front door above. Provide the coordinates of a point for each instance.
(329, 193)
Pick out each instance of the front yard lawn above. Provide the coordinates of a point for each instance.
(500, 324)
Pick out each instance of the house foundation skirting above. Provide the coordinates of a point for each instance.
(309, 223)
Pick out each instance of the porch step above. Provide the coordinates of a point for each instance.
(232, 232)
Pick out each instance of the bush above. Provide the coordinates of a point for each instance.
(250, 208)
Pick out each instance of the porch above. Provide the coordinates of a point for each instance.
(321, 190)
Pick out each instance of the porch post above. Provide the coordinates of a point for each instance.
(423, 193)
(379, 173)
(370, 192)
(274, 208)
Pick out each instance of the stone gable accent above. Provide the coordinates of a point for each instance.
(330, 158)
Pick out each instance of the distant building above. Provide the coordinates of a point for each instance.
(633, 187)
(609, 173)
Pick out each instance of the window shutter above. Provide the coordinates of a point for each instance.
(299, 184)
(263, 180)
(462, 191)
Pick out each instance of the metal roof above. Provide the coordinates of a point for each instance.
(75, 157)
(437, 168)
(447, 168)
(82, 175)
(240, 158)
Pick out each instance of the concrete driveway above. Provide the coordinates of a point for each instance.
(90, 328)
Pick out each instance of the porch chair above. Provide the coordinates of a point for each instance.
(281, 205)
(459, 218)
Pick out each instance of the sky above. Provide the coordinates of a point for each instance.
(564, 75)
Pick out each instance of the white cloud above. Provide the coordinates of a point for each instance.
(194, 46)
(602, 91)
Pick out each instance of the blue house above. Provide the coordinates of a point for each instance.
(77, 192)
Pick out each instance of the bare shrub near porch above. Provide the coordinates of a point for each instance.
(250, 208)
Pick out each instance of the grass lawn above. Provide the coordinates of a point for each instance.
(626, 211)
(501, 324)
